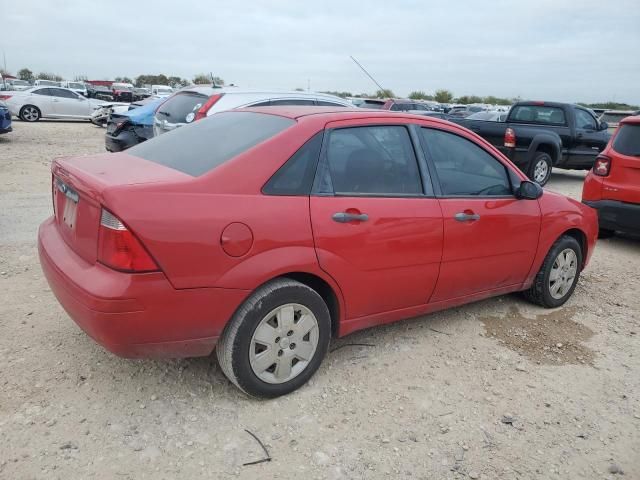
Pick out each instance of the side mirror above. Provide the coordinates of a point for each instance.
(604, 125)
(529, 190)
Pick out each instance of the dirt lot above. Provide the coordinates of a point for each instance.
(495, 390)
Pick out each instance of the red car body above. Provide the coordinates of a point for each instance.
(612, 187)
(216, 237)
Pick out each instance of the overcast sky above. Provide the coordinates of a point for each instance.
(581, 50)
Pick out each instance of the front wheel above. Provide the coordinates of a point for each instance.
(540, 169)
(558, 275)
(276, 340)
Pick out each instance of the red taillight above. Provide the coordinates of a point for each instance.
(5, 97)
(119, 249)
(602, 167)
(509, 138)
(202, 112)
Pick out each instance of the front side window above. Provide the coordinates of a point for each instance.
(463, 168)
(59, 92)
(584, 120)
(374, 160)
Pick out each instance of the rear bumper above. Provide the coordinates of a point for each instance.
(134, 315)
(615, 215)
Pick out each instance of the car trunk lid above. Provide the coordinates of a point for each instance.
(78, 190)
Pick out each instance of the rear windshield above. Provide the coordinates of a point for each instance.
(537, 114)
(202, 146)
(627, 141)
(176, 109)
(372, 104)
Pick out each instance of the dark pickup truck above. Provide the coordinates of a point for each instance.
(537, 136)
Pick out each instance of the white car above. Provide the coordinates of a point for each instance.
(78, 87)
(49, 102)
(161, 91)
(193, 103)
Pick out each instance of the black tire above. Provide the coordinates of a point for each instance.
(30, 113)
(233, 348)
(538, 172)
(540, 291)
(606, 233)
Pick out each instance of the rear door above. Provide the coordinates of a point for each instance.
(43, 99)
(377, 227)
(490, 237)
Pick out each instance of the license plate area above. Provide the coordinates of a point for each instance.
(70, 208)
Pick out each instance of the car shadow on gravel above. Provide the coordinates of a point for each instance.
(552, 338)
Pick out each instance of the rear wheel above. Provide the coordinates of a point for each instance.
(540, 169)
(276, 340)
(559, 274)
(30, 113)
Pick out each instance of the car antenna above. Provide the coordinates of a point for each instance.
(367, 73)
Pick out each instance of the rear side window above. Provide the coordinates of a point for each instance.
(463, 168)
(206, 144)
(296, 176)
(627, 141)
(176, 109)
(373, 161)
(538, 114)
(292, 101)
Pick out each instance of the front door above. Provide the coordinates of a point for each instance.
(376, 226)
(69, 104)
(490, 237)
(589, 141)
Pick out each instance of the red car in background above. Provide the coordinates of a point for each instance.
(612, 187)
(269, 231)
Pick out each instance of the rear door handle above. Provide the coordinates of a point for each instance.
(344, 217)
(466, 217)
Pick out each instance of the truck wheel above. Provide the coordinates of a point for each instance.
(540, 169)
(276, 340)
(558, 275)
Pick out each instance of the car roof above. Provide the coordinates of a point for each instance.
(209, 90)
(631, 119)
(332, 114)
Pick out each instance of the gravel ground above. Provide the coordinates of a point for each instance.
(499, 389)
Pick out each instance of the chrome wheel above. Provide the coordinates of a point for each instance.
(541, 171)
(283, 343)
(30, 113)
(563, 273)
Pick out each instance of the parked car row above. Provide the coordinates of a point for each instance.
(49, 102)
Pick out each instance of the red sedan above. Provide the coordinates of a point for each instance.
(612, 187)
(269, 231)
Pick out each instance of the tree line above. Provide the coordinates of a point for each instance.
(139, 81)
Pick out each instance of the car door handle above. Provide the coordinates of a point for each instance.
(466, 217)
(344, 217)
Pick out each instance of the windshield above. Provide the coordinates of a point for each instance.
(79, 86)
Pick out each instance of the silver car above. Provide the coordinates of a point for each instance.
(49, 102)
(193, 103)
